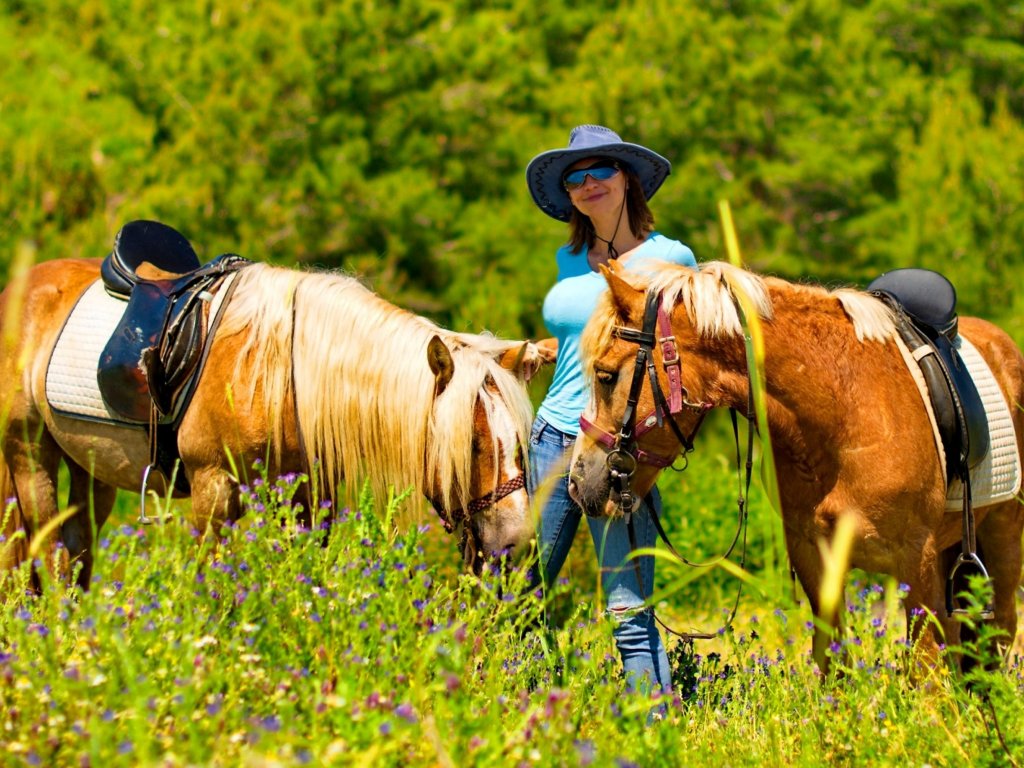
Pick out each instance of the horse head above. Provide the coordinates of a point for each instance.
(478, 484)
(632, 429)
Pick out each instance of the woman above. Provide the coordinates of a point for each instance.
(600, 185)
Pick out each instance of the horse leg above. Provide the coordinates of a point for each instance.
(33, 465)
(215, 500)
(999, 538)
(927, 622)
(93, 501)
(14, 545)
(805, 558)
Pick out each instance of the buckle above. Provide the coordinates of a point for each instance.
(669, 351)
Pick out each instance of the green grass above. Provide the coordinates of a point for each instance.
(364, 645)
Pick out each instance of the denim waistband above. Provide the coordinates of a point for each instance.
(542, 430)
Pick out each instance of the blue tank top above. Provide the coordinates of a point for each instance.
(567, 308)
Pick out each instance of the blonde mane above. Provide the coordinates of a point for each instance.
(709, 296)
(364, 392)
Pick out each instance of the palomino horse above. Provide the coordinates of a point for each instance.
(309, 371)
(849, 431)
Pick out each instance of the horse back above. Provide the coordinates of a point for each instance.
(33, 312)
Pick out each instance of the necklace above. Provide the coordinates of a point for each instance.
(613, 252)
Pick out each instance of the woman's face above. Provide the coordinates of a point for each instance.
(594, 196)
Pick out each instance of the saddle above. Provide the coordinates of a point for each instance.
(925, 304)
(925, 310)
(148, 370)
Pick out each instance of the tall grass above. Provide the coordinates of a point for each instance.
(346, 644)
(360, 642)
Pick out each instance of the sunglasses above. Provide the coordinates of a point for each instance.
(600, 172)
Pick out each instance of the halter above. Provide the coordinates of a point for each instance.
(450, 519)
(622, 448)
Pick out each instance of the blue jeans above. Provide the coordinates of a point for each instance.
(636, 633)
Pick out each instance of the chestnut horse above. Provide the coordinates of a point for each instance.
(309, 371)
(849, 432)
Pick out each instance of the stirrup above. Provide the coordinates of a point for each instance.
(143, 518)
(988, 612)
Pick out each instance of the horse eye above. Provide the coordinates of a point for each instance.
(607, 378)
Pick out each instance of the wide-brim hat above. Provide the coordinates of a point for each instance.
(544, 173)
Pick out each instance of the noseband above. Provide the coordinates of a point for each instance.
(622, 448)
(450, 519)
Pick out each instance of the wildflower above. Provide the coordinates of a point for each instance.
(406, 712)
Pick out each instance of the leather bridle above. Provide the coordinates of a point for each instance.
(624, 454)
(623, 451)
(450, 519)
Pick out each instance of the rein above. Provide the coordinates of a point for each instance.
(624, 453)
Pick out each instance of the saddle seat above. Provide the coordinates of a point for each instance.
(148, 369)
(925, 304)
(145, 242)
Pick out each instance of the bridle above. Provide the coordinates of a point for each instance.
(623, 451)
(624, 454)
(451, 518)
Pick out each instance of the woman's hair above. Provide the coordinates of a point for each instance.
(641, 220)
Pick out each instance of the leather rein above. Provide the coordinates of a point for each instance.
(624, 453)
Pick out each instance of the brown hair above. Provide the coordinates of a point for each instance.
(641, 220)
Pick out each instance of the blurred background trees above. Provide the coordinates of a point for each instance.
(390, 139)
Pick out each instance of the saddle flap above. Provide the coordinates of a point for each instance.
(958, 408)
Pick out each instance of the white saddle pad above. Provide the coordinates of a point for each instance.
(997, 477)
(71, 385)
(72, 388)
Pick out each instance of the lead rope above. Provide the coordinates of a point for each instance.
(741, 527)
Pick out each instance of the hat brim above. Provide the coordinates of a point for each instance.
(544, 173)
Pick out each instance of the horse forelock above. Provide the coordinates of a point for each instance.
(364, 391)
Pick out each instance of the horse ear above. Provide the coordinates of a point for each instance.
(628, 300)
(529, 357)
(439, 357)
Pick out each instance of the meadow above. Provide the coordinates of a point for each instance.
(361, 642)
(389, 140)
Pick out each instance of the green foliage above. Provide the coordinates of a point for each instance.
(390, 139)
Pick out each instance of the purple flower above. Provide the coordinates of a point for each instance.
(406, 712)
(585, 750)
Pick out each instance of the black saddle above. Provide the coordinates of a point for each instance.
(140, 242)
(149, 367)
(925, 304)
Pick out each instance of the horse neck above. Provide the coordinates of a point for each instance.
(798, 379)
